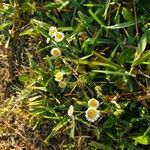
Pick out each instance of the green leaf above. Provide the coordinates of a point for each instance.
(96, 144)
(97, 42)
(96, 18)
(53, 118)
(147, 132)
(31, 99)
(113, 53)
(98, 131)
(109, 123)
(82, 103)
(126, 55)
(127, 14)
(24, 78)
(145, 140)
(107, 61)
(106, 9)
(115, 73)
(140, 49)
(92, 63)
(40, 88)
(141, 46)
(131, 146)
(5, 26)
(41, 24)
(143, 58)
(52, 5)
(44, 48)
(64, 4)
(106, 146)
(66, 29)
(121, 25)
(92, 5)
(56, 129)
(101, 146)
(31, 32)
(37, 103)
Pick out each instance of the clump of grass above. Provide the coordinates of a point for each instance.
(89, 50)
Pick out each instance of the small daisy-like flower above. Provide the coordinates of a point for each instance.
(93, 103)
(70, 111)
(56, 52)
(92, 114)
(59, 76)
(52, 31)
(59, 36)
(62, 84)
(47, 41)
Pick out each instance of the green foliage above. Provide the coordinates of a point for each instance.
(145, 138)
(101, 57)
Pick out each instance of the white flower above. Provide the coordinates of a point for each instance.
(59, 76)
(52, 31)
(93, 103)
(92, 114)
(59, 36)
(47, 41)
(56, 52)
(70, 111)
(62, 84)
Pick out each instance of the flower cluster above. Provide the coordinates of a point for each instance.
(59, 77)
(56, 52)
(92, 114)
(58, 36)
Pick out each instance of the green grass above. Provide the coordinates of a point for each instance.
(104, 55)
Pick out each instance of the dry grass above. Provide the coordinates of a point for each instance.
(15, 133)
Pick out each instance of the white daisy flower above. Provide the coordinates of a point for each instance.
(70, 111)
(59, 36)
(59, 76)
(47, 41)
(93, 103)
(52, 31)
(62, 84)
(56, 52)
(92, 114)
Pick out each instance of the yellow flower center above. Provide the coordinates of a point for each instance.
(62, 84)
(59, 76)
(91, 113)
(93, 103)
(56, 52)
(59, 36)
(53, 31)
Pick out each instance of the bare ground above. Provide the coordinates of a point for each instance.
(15, 132)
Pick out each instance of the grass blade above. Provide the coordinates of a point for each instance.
(56, 129)
(96, 18)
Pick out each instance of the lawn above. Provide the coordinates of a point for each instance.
(75, 74)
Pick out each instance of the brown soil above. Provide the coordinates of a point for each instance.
(15, 132)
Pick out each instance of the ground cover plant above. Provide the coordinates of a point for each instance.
(82, 70)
